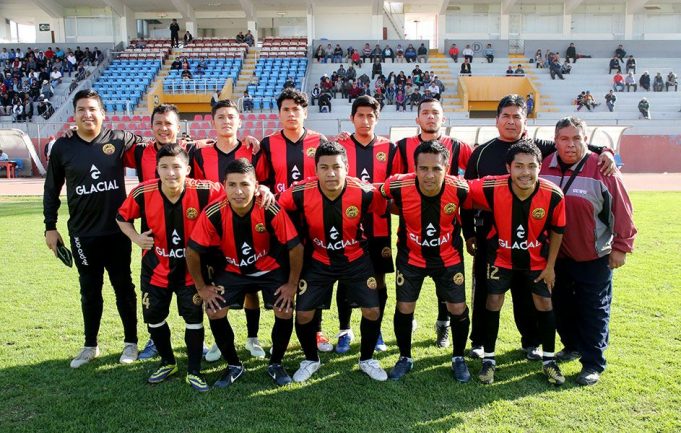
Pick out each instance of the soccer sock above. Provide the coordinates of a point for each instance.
(344, 309)
(224, 338)
(161, 335)
(126, 304)
(308, 341)
(460, 325)
(442, 312)
(252, 321)
(382, 300)
(491, 332)
(281, 335)
(402, 324)
(547, 331)
(369, 330)
(317, 321)
(193, 338)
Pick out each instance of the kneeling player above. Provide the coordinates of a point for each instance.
(331, 207)
(525, 209)
(251, 238)
(429, 245)
(169, 207)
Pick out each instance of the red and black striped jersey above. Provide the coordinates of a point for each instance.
(333, 228)
(251, 244)
(170, 224)
(211, 163)
(286, 162)
(518, 239)
(372, 163)
(459, 153)
(429, 233)
(142, 157)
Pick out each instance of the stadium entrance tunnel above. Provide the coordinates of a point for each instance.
(19, 147)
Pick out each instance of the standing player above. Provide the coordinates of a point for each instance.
(371, 159)
(528, 220)
(331, 207)
(289, 157)
(251, 238)
(91, 163)
(169, 208)
(488, 159)
(429, 245)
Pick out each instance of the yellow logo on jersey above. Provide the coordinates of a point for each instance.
(302, 287)
(450, 208)
(386, 252)
(196, 299)
(380, 156)
(310, 151)
(352, 212)
(108, 149)
(538, 213)
(260, 227)
(192, 213)
(371, 283)
(458, 279)
(399, 278)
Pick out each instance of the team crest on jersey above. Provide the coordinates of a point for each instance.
(458, 279)
(192, 213)
(302, 287)
(371, 283)
(386, 252)
(310, 151)
(108, 149)
(352, 212)
(538, 213)
(196, 299)
(260, 227)
(450, 208)
(380, 156)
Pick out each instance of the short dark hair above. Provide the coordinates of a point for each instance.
(163, 109)
(512, 101)
(295, 95)
(330, 148)
(241, 166)
(525, 146)
(87, 94)
(426, 101)
(223, 103)
(172, 149)
(365, 101)
(433, 147)
(571, 121)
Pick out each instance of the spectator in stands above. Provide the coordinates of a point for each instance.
(388, 53)
(509, 71)
(247, 102)
(439, 84)
(320, 54)
(177, 64)
(422, 53)
(380, 98)
(49, 53)
(425, 78)
(249, 38)
(87, 56)
(571, 53)
(55, 77)
(566, 68)
(615, 64)
(342, 73)
(658, 83)
(351, 73)
(325, 102)
(434, 90)
(630, 81)
(644, 81)
(186, 74)
(555, 68)
(580, 100)
(355, 59)
(414, 99)
(188, 37)
(390, 94)
(366, 52)
(45, 108)
(98, 56)
(363, 80)
(618, 82)
(200, 71)
(620, 53)
(454, 53)
(59, 54)
(400, 101)
(185, 64)
(345, 88)
(539, 59)
(519, 71)
(400, 79)
(529, 103)
(410, 54)
(328, 54)
(315, 93)
(465, 67)
(17, 109)
(610, 100)
(631, 64)
(399, 53)
(337, 55)
(355, 91)
(290, 83)
(589, 101)
(174, 34)
(241, 39)
(468, 53)
(376, 53)
(46, 89)
(644, 108)
(5, 104)
(28, 108)
(71, 62)
(489, 53)
(672, 81)
(140, 43)
(4, 55)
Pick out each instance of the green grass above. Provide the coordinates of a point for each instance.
(41, 331)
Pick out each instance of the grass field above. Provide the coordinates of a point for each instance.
(41, 330)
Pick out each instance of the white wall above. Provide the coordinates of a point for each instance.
(339, 24)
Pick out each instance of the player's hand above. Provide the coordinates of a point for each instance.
(52, 239)
(343, 135)
(145, 240)
(606, 161)
(266, 197)
(617, 259)
(549, 277)
(252, 143)
(471, 246)
(69, 132)
(211, 296)
(285, 294)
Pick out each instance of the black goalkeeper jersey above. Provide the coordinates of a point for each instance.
(95, 186)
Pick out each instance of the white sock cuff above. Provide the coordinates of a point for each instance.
(193, 326)
(156, 325)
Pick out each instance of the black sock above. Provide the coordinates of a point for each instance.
(491, 330)
(161, 337)
(308, 340)
(442, 312)
(547, 331)
(369, 330)
(344, 308)
(281, 335)
(193, 338)
(317, 321)
(382, 299)
(252, 321)
(460, 325)
(402, 324)
(224, 338)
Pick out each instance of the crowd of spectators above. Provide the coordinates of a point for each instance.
(551, 60)
(187, 72)
(657, 84)
(367, 54)
(247, 38)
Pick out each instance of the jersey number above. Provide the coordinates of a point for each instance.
(145, 300)
(492, 272)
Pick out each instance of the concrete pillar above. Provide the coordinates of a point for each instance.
(252, 25)
(377, 27)
(191, 26)
(567, 26)
(310, 28)
(628, 26)
(504, 26)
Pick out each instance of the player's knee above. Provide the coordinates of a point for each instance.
(251, 301)
(216, 315)
(458, 309)
(304, 317)
(494, 302)
(542, 304)
(406, 307)
(371, 313)
(286, 315)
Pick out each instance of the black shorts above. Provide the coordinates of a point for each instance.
(315, 289)
(381, 255)
(449, 282)
(236, 286)
(499, 280)
(211, 262)
(156, 303)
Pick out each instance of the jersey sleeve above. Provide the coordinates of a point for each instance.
(465, 152)
(129, 159)
(283, 228)
(204, 234)
(217, 192)
(476, 195)
(385, 188)
(621, 219)
(130, 209)
(379, 203)
(286, 201)
(130, 139)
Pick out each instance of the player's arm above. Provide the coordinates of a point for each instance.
(144, 240)
(549, 274)
(286, 293)
(54, 181)
(621, 221)
(127, 213)
(468, 214)
(252, 143)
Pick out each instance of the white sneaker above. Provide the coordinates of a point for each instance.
(253, 346)
(130, 353)
(306, 370)
(85, 355)
(373, 369)
(213, 354)
(477, 352)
